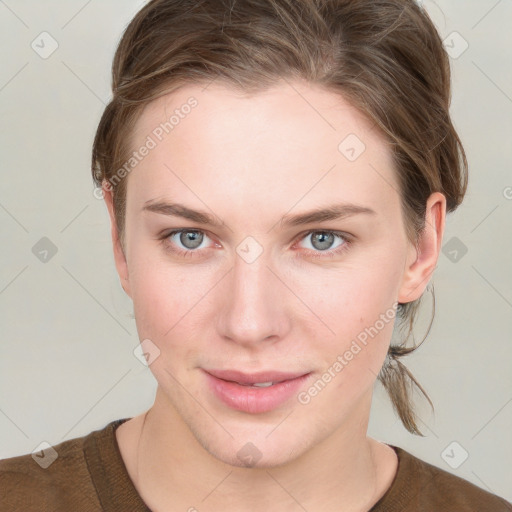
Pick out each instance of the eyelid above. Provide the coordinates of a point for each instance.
(341, 234)
(166, 235)
(328, 253)
(346, 237)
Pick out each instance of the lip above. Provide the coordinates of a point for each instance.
(224, 384)
(251, 378)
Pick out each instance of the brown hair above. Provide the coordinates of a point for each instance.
(384, 56)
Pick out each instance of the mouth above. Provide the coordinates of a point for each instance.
(263, 378)
(256, 392)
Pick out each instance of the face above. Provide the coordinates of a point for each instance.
(248, 287)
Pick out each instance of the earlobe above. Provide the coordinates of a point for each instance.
(119, 255)
(422, 259)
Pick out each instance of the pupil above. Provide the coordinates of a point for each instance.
(325, 239)
(191, 236)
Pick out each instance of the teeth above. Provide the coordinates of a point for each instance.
(258, 384)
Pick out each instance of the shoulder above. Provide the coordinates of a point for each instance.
(55, 478)
(424, 487)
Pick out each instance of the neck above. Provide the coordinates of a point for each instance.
(172, 471)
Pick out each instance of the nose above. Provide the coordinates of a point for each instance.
(254, 306)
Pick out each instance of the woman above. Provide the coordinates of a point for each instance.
(277, 175)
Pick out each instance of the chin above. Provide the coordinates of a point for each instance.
(256, 451)
(250, 456)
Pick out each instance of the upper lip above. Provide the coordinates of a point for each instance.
(251, 378)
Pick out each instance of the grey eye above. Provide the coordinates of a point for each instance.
(322, 240)
(191, 239)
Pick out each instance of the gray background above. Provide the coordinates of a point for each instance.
(67, 365)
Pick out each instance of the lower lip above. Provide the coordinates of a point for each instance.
(254, 399)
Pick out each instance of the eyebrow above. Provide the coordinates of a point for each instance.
(332, 212)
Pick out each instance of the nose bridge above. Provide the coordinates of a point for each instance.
(254, 306)
(251, 277)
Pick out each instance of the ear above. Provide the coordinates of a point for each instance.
(119, 256)
(422, 259)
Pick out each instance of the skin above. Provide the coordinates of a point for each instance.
(249, 160)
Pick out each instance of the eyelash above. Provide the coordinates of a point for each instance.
(347, 242)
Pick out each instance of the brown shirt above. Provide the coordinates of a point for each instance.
(89, 475)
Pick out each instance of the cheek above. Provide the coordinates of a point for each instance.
(331, 306)
(348, 299)
(168, 298)
(351, 364)
(358, 306)
(168, 309)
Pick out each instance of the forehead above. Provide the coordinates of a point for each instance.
(293, 142)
